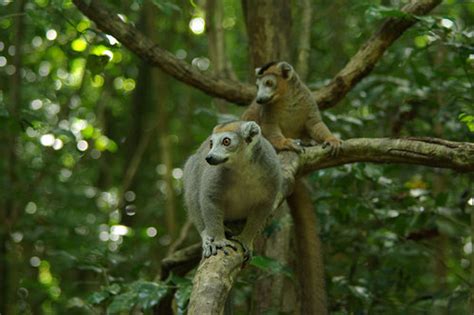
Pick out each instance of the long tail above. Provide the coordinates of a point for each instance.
(310, 266)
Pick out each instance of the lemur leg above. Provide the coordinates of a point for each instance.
(213, 236)
(252, 227)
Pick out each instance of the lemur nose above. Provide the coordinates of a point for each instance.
(210, 159)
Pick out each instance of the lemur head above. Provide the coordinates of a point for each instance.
(231, 141)
(272, 81)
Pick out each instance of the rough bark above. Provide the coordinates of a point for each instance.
(362, 63)
(212, 282)
(304, 39)
(426, 151)
(147, 50)
(268, 24)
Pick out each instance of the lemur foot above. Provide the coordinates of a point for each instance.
(288, 144)
(334, 145)
(210, 246)
(246, 248)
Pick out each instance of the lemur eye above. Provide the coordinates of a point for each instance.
(226, 141)
(210, 144)
(268, 83)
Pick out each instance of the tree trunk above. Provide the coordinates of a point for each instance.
(11, 208)
(268, 25)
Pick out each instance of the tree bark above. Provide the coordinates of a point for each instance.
(212, 282)
(268, 25)
(304, 39)
(433, 152)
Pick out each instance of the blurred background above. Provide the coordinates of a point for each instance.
(93, 141)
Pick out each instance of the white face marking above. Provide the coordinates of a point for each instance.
(224, 144)
(266, 87)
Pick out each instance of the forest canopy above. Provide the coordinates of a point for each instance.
(102, 102)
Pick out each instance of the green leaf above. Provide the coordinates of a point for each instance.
(149, 293)
(271, 265)
(167, 7)
(123, 302)
(379, 12)
(98, 297)
(96, 64)
(114, 289)
(182, 297)
(4, 112)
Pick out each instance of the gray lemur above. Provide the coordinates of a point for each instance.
(234, 175)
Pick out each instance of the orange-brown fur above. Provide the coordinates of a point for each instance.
(291, 114)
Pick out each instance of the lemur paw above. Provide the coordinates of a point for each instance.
(334, 145)
(210, 246)
(289, 145)
(245, 247)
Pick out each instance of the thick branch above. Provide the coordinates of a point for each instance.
(362, 63)
(240, 93)
(212, 282)
(141, 45)
(432, 152)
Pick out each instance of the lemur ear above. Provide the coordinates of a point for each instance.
(257, 71)
(249, 130)
(286, 70)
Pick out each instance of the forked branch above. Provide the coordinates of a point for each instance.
(236, 92)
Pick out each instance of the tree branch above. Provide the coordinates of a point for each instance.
(146, 49)
(369, 54)
(433, 152)
(212, 282)
(241, 93)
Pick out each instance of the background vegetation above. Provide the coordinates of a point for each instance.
(93, 142)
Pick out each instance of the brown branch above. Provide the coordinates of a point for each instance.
(212, 282)
(433, 152)
(141, 45)
(362, 63)
(240, 93)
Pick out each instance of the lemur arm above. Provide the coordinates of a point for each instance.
(318, 131)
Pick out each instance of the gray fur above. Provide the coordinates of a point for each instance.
(242, 185)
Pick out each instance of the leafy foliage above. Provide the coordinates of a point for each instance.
(92, 155)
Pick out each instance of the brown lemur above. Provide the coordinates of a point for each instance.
(234, 175)
(286, 110)
(289, 116)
